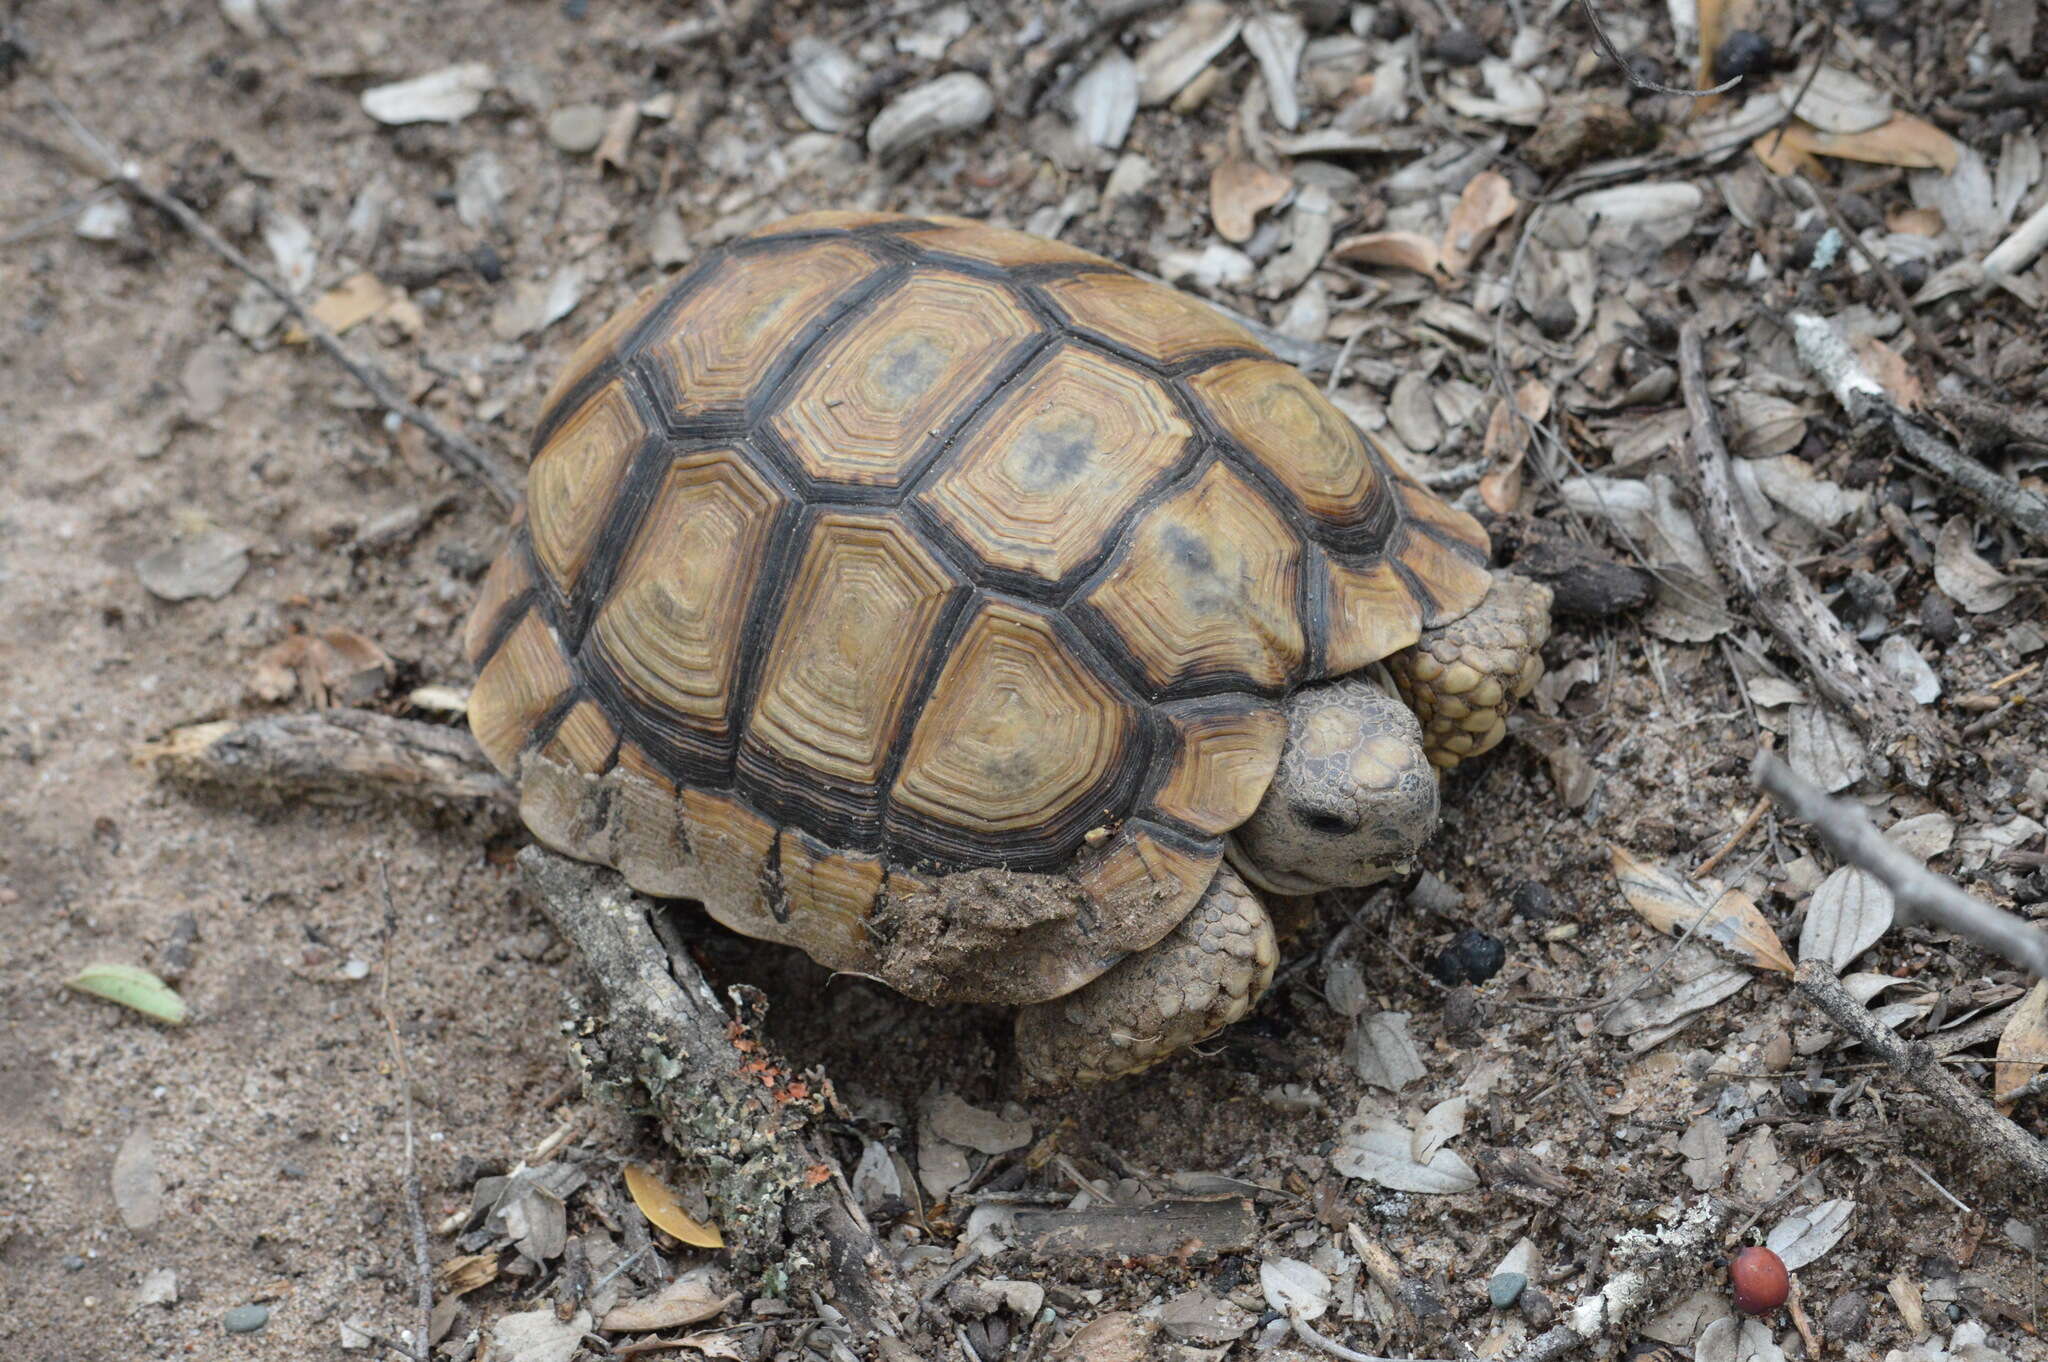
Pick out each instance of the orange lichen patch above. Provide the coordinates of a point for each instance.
(829, 896)
(1208, 586)
(526, 678)
(1038, 485)
(585, 739)
(1229, 749)
(889, 381)
(1291, 428)
(598, 346)
(574, 479)
(1016, 733)
(672, 626)
(846, 652)
(1372, 615)
(507, 579)
(1455, 582)
(1154, 320)
(732, 845)
(715, 348)
(1144, 885)
(1000, 245)
(824, 219)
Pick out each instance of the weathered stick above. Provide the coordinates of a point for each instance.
(1916, 889)
(1830, 358)
(1790, 605)
(332, 756)
(1650, 1267)
(728, 1106)
(1975, 1121)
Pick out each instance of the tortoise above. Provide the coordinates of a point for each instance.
(985, 619)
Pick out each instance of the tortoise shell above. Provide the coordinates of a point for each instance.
(922, 594)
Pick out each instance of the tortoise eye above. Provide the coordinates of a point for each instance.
(1329, 824)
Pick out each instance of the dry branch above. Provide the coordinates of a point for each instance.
(1790, 605)
(1915, 889)
(1829, 356)
(1976, 1122)
(1651, 1267)
(334, 756)
(738, 1115)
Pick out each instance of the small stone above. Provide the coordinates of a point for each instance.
(1938, 618)
(1848, 1317)
(1458, 47)
(1745, 53)
(245, 1319)
(1538, 1309)
(158, 1288)
(576, 128)
(1533, 900)
(207, 563)
(1505, 1288)
(1555, 318)
(72, 1262)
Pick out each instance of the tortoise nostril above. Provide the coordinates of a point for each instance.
(1329, 824)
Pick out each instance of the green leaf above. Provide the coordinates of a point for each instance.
(132, 987)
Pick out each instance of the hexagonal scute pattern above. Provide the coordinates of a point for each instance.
(1372, 615)
(1228, 748)
(1151, 319)
(998, 245)
(1208, 587)
(750, 313)
(1297, 436)
(1047, 476)
(523, 682)
(574, 479)
(671, 628)
(848, 647)
(1017, 734)
(890, 381)
(599, 345)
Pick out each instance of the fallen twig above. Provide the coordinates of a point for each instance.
(333, 756)
(1651, 1266)
(1830, 358)
(465, 456)
(422, 1264)
(1789, 604)
(1915, 889)
(1975, 1120)
(726, 1103)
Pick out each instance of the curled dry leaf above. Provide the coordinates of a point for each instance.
(1178, 55)
(1488, 201)
(1845, 917)
(1400, 250)
(1382, 1153)
(1902, 140)
(1959, 571)
(1839, 101)
(1105, 100)
(1806, 1237)
(825, 83)
(1824, 748)
(2023, 1045)
(1276, 41)
(692, 1298)
(1726, 917)
(1294, 1288)
(1239, 191)
(659, 1205)
(1383, 1052)
(1507, 443)
(949, 104)
(132, 987)
(1890, 369)
(333, 667)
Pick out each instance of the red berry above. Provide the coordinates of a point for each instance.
(1760, 1281)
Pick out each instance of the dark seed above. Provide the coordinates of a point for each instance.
(1744, 53)
(1458, 47)
(1473, 958)
(1533, 900)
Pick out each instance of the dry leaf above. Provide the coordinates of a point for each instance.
(470, 1272)
(1400, 250)
(1845, 917)
(1806, 1237)
(1487, 202)
(619, 129)
(1963, 575)
(2024, 1043)
(333, 667)
(1785, 158)
(1382, 1051)
(1915, 222)
(1889, 368)
(659, 1205)
(690, 1299)
(1903, 140)
(1507, 442)
(1239, 191)
(1726, 917)
(355, 299)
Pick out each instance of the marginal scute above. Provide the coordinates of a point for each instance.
(829, 895)
(1046, 476)
(650, 846)
(575, 478)
(846, 652)
(1141, 884)
(1157, 322)
(599, 346)
(1017, 731)
(508, 579)
(524, 680)
(822, 220)
(1372, 615)
(1281, 419)
(999, 245)
(566, 808)
(585, 738)
(732, 846)
(1421, 504)
(1208, 587)
(735, 326)
(886, 385)
(1454, 581)
(1228, 747)
(671, 628)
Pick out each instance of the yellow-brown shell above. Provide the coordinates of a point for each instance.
(922, 594)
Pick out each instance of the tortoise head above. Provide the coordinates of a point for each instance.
(1354, 797)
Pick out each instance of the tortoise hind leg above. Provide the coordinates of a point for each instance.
(1461, 678)
(1202, 976)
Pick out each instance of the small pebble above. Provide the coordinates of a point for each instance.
(576, 128)
(1538, 1309)
(245, 1319)
(72, 1262)
(1458, 47)
(1555, 318)
(1505, 1288)
(1533, 900)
